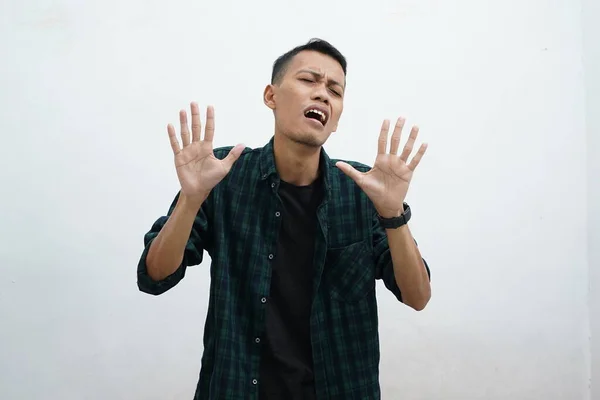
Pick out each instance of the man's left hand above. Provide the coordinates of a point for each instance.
(386, 184)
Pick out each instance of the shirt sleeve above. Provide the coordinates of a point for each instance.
(198, 241)
(384, 268)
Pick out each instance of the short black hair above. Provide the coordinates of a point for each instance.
(319, 45)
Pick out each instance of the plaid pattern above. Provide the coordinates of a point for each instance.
(238, 227)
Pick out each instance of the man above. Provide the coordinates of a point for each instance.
(296, 240)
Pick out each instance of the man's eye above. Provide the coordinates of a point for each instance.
(335, 92)
(306, 80)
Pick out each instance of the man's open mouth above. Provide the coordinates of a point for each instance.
(319, 115)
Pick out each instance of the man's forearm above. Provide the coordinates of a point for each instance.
(409, 268)
(166, 250)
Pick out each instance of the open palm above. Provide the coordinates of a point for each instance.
(386, 184)
(198, 170)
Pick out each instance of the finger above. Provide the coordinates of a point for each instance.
(210, 124)
(396, 135)
(173, 139)
(383, 134)
(185, 132)
(196, 124)
(349, 170)
(410, 143)
(417, 158)
(233, 155)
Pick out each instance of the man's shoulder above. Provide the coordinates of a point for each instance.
(245, 169)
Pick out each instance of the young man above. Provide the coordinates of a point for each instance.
(296, 240)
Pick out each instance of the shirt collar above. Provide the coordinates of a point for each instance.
(267, 164)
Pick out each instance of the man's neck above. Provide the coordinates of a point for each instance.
(296, 163)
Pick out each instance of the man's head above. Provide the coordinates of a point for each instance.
(306, 92)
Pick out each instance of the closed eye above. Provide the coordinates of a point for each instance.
(335, 92)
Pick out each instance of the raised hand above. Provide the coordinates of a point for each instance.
(386, 184)
(198, 170)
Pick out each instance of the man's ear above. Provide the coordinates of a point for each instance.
(269, 96)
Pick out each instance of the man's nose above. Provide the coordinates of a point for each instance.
(321, 94)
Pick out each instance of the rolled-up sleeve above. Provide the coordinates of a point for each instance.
(384, 268)
(193, 254)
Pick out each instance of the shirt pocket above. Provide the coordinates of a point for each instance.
(350, 272)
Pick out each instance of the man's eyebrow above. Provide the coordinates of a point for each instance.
(319, 75)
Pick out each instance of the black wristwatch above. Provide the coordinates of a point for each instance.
(396, 222)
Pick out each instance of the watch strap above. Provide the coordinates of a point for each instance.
(396, 222)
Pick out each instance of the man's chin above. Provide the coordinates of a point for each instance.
(308, 139)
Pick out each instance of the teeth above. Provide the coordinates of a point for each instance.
(322, 114)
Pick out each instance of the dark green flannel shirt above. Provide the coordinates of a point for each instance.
(238, 226)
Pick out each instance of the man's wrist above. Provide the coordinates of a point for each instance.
(395, 220)
(386, 214)
(392, 214)
(192, 204)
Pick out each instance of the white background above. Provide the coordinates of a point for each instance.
(505, 203)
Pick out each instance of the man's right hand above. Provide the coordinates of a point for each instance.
(198, 170)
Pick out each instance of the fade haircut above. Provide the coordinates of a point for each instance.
(322, 46)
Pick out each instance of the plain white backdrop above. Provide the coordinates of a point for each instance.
(505, 203)
(591, 57)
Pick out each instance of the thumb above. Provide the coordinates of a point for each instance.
(350, 171)
(233, 155)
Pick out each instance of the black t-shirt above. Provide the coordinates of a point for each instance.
(286, 359)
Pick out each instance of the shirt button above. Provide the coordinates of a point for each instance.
(254, 381)
(265, 176)
(257, 340)
(263, 300)
(272, 185)
(270, 256)
(277, 214)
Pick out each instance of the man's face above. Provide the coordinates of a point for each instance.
(309, 100)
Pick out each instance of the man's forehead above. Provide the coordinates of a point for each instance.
(318, 63)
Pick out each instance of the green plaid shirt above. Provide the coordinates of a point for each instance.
(238, 226)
